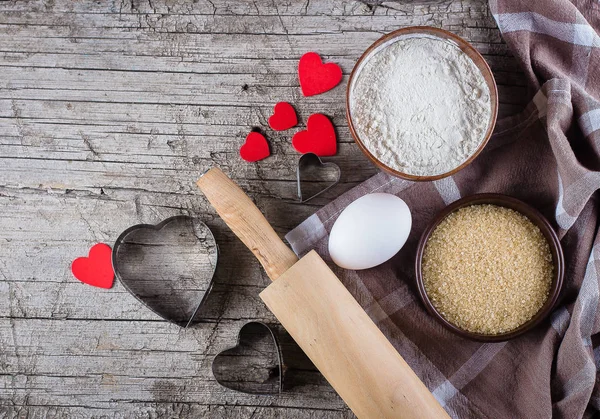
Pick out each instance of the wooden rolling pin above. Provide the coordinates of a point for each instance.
(323, 317)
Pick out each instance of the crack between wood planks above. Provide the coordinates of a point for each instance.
(506, 54)
(124, 292)
(168, 13)
(212, 320)
(344, 408)
(100, 319)
(51, 407)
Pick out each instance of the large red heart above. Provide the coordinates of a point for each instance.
(255, 148)
(316, 77)
(96, 269)
(318, 138)
(284, 117)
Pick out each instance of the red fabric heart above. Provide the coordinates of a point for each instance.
(318, 138)
(316, 77)
(284, 117)
(255, 148)
(96, 269)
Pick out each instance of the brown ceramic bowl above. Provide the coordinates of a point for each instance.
(535, 217)
(467, 49)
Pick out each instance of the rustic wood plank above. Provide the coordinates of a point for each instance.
(133, 409)
(109, 111)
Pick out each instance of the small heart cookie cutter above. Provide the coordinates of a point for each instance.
(280, 366)
(312, 160)
(189, 224)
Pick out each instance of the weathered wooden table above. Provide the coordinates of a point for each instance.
(109, 111)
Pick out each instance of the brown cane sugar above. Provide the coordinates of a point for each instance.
(487, 269)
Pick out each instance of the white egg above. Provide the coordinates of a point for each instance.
(369, 231)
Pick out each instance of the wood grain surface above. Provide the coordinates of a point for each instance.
(109, 113)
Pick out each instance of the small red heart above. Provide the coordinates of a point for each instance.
(284, 117)
(255, 148)
(96, 269)
(316, 77)
(318, 138)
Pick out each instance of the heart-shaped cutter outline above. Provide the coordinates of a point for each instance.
(158, 227)
(280, 365)
(311, 159)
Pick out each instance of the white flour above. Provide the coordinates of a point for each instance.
(420, 106)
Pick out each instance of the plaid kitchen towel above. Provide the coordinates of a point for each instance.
(548, 156)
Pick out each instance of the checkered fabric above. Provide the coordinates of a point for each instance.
(547, 156)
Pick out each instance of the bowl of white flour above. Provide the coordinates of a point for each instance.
(421, 103)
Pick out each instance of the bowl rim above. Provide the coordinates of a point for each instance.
(535, 217)
(477, 59)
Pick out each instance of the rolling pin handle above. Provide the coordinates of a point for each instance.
(247, 222)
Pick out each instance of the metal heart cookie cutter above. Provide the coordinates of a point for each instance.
(255, 364)
(169, 267)
(310, 170)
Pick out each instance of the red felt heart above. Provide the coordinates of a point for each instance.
(96, 269)
(284, 117)
(316, 77)
(255, 148)
(318, 138)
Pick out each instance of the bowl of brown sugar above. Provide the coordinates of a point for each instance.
(489, 267)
